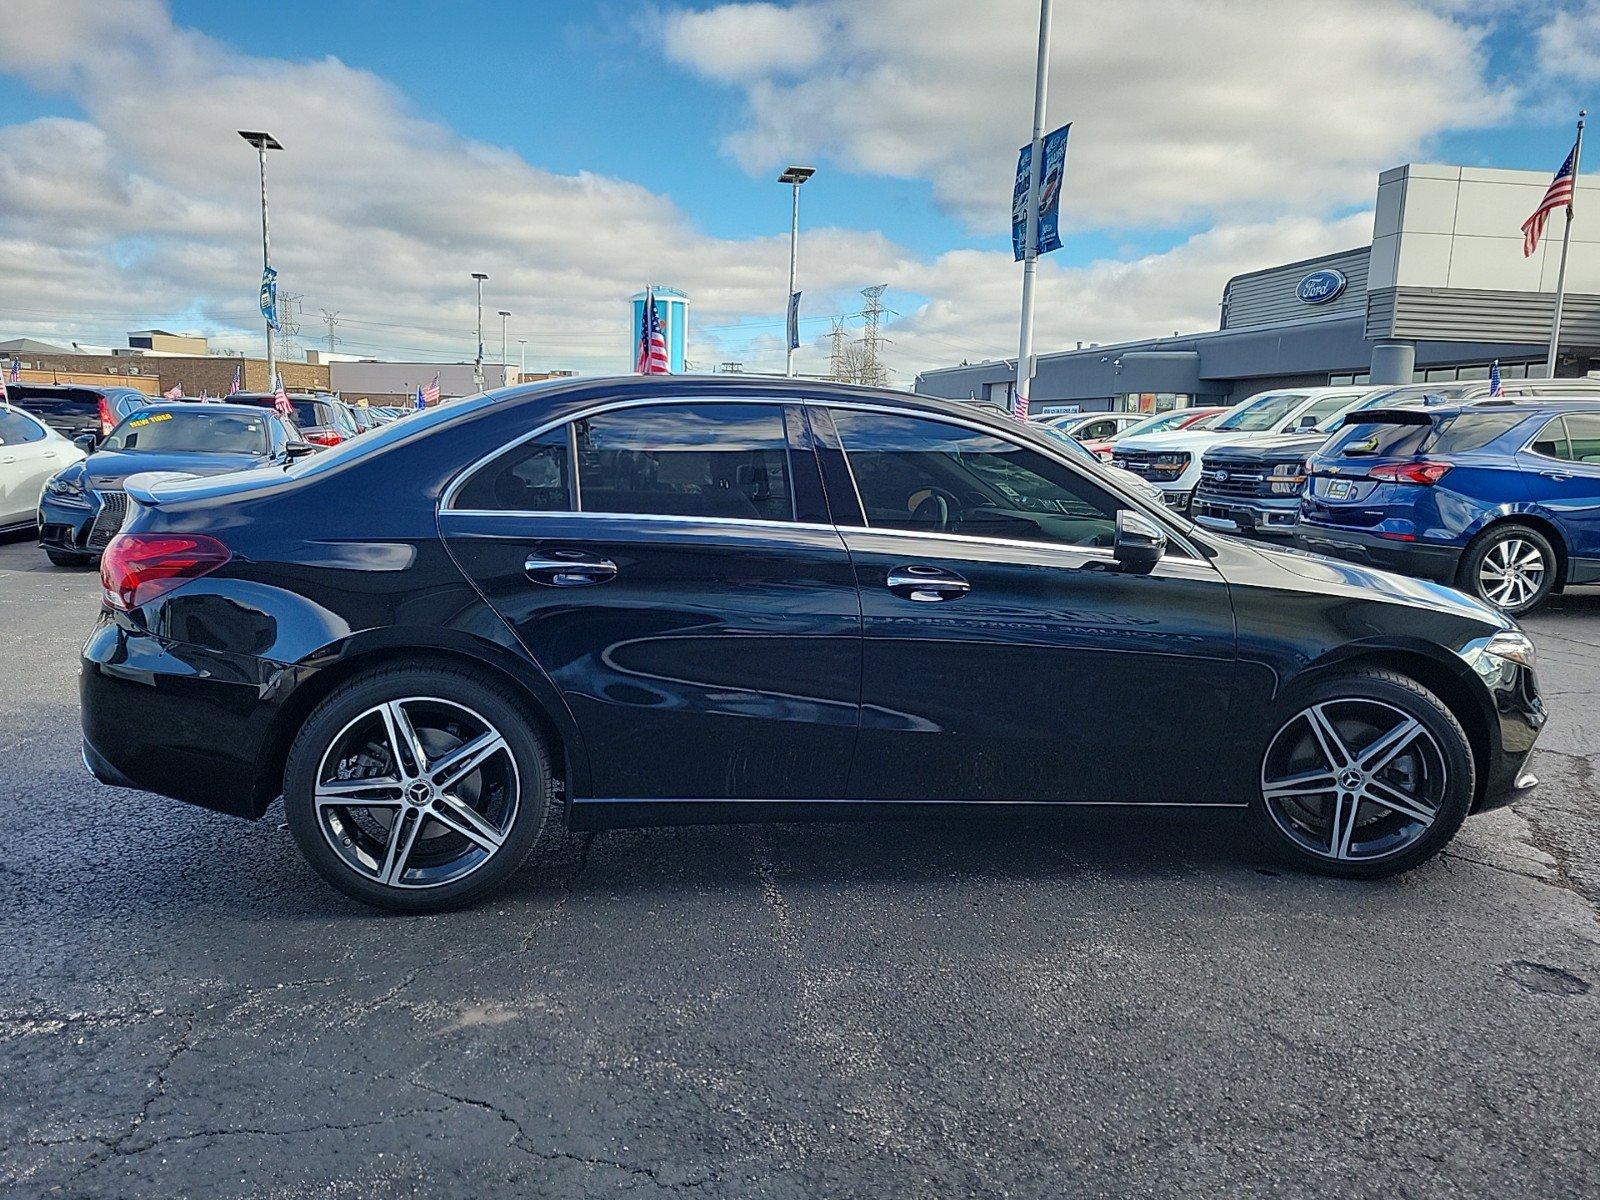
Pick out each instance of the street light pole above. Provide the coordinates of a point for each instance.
(264, 142)
(503, 363)
(477, 363)
(1030, 253)
(794, 177)
(522, 363)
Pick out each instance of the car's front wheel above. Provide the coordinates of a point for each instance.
(1512, 567)
(419, 788)
(1366, 774)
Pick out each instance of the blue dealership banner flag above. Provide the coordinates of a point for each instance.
(1050, 177)
(794, 321)
(269, 297)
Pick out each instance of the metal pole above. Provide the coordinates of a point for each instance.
(1030, 254)
(794, 245)
(503, 315)
(477, 362)
(1561, 271)
(522, 364)
(266, 264)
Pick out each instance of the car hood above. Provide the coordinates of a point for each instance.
(1336, 577)
(108, 468)
(1281, 445)
(1195, 441)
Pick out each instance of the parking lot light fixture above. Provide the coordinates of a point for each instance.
(477, 362)
(794, 177)
(503, 316)
(264, 142)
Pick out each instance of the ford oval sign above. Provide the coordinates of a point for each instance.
(1319, 287)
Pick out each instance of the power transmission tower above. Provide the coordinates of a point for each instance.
(332, 318)
(289, 310)
(836, 352)
(872, 368)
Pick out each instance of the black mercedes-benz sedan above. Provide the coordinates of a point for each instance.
(629, 601)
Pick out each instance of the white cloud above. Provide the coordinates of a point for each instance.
(1569, 42)
(1180, 110)
(747, 40)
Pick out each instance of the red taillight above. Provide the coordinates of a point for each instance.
(324, 437)
(138, 567)
(108, 422)
(1425, 473)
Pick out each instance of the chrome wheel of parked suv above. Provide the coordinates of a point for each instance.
(1513, 567)
(417, 788)
(1370, 774)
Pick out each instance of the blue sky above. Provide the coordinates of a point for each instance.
(574, 87)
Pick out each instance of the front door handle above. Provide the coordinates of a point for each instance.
(568, 569)
(926, 584)
(1558, 476)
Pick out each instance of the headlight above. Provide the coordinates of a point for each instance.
(1169, 464)
(67, 487)
(1287, 479)
(1513, 646)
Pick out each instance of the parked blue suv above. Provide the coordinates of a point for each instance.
(1500, 498)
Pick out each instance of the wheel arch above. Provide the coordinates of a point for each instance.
(1442, 673)
(305, 685)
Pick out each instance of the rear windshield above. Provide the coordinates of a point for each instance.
(1450, 433)
(194, 431)
(1266, 411)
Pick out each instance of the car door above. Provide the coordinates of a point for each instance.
(29, 455)
(1561, 471)
(672, 568)
(1004, 655)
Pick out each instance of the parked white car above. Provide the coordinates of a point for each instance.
(1171, 461)
(30, 452)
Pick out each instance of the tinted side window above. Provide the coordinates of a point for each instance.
(927, 476)
(686, 460)
(1583, 430)
(15, 429)
(1551, 440)
(1472, 430)
(532, 477)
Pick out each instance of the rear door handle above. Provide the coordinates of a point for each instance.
(568, 569)
(926, 584)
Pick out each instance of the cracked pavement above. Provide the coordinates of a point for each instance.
(1085, 1003)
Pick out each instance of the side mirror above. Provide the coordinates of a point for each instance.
(86, 442)
(1139, 544)
(1305, 423)
(294, 450)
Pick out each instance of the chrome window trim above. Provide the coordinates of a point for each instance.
(460, 478)
(1108, 485)
(659, 518)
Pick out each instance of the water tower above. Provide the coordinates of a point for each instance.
(672, 308)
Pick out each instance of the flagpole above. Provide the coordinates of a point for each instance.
(1030, 252)
(1566, 239)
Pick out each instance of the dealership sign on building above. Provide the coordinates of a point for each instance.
(1320, 287)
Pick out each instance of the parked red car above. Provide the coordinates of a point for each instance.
(1166, 422)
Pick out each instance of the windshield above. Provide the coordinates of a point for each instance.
(190, 431)
(1155, 423)
(1062, 438)
(1266, 411)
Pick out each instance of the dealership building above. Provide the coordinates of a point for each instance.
(1442, 292)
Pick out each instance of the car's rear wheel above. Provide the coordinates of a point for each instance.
(1512, 567)
(1367, 774)
(419, 788)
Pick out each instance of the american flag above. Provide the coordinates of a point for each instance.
(430, 394)
(652, 342)
(1557, 195)
(238, 380)
(175, 392)
(1019, 404)
(280, 398)
(1496, 388)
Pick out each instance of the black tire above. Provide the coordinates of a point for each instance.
(65, 558)
(536, 819)
(1517, 541)
(1454, 777)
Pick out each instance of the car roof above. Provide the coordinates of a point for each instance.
(210, 406)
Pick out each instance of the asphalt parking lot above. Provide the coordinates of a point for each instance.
(1084, 1003)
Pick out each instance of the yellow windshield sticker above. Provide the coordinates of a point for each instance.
(139, 422)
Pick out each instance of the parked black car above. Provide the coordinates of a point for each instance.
(74, 409)
(83, 505)
(322, 419)
(594, 602)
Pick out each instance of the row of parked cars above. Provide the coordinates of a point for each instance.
(1497, 495)
(66, 450)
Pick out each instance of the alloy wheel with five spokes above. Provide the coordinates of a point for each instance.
(1354, 780)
